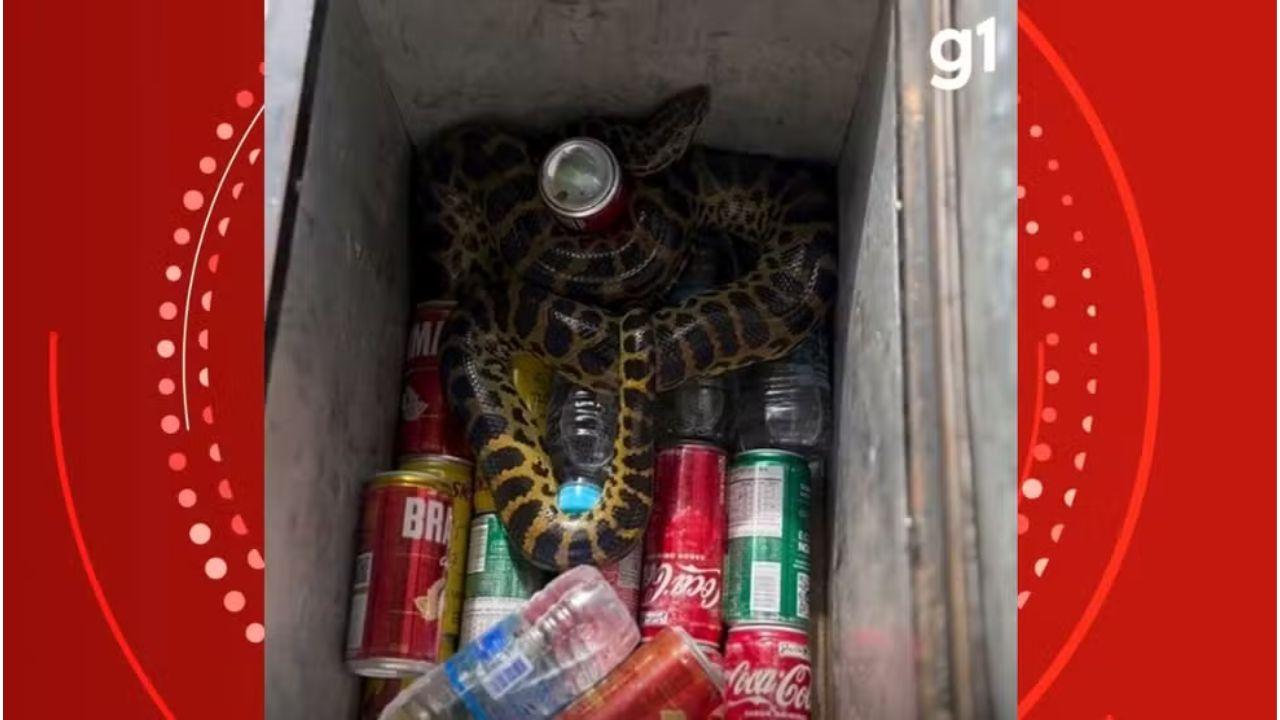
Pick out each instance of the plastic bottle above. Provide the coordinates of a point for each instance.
(581, 430)
(580, 435)
(534, 662)
(700, 409)
(785, 404)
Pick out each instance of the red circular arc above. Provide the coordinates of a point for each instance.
(73, 519)
(1146, 277)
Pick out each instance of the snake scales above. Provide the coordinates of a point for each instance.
(584, 304)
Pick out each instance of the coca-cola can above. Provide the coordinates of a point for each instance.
(685, 543)
(426, 425)
(668, 677)
(398, 599)
(767, 673)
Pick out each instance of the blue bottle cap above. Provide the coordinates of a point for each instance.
(578, 497)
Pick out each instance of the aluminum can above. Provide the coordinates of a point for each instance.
(768, 564)
(457, 474)
(667, 678)
(624, 577)
(581, 182)
(767, 673)
(499, 581)
(426, 425)
(532, 380)
(396, 626)
(684, 544)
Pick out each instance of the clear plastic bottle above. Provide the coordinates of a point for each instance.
(580, 432)
(700, 409)
(785, 404)
(534, 662)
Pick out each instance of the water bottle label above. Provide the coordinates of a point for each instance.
(507, 675)
(495, 644)
(451, 670)
(492, 644)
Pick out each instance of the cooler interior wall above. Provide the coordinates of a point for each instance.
(335, 340)
(807, 79)
(784, 73)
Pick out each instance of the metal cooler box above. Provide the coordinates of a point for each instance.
(914, 600)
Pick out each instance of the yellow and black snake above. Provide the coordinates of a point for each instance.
(584, 305)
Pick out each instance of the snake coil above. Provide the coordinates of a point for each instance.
(582, 304)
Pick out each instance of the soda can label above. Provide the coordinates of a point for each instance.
(396, 626)
(768, 564)
(624, 577)
(767, 673)
(498, 582)
(684, 544)
(426, 426)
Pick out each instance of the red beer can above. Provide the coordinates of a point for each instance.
(767, 673)
(426, 425)
(398, 592)
(624, 577)
(684, 544)
(582, 183)
(667, 677)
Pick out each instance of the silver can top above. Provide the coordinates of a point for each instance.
(579, 177)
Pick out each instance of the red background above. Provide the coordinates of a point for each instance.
(109, 108)
(1188, 630)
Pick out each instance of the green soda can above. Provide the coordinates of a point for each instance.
(498, 579)
(766, 569)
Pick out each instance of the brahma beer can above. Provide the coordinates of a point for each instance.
(767, 673)
(499, 580)
(426, 425)
(396, 626)
(581, 182)
(668, 678)
(684, 544)
(457, 476)
(767, 568)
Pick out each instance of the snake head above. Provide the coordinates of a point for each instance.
(649, 146)
(666, 134)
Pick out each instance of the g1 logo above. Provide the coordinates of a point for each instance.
(953, 73)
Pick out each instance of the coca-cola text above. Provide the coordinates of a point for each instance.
(683, 581)
(785, 691)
